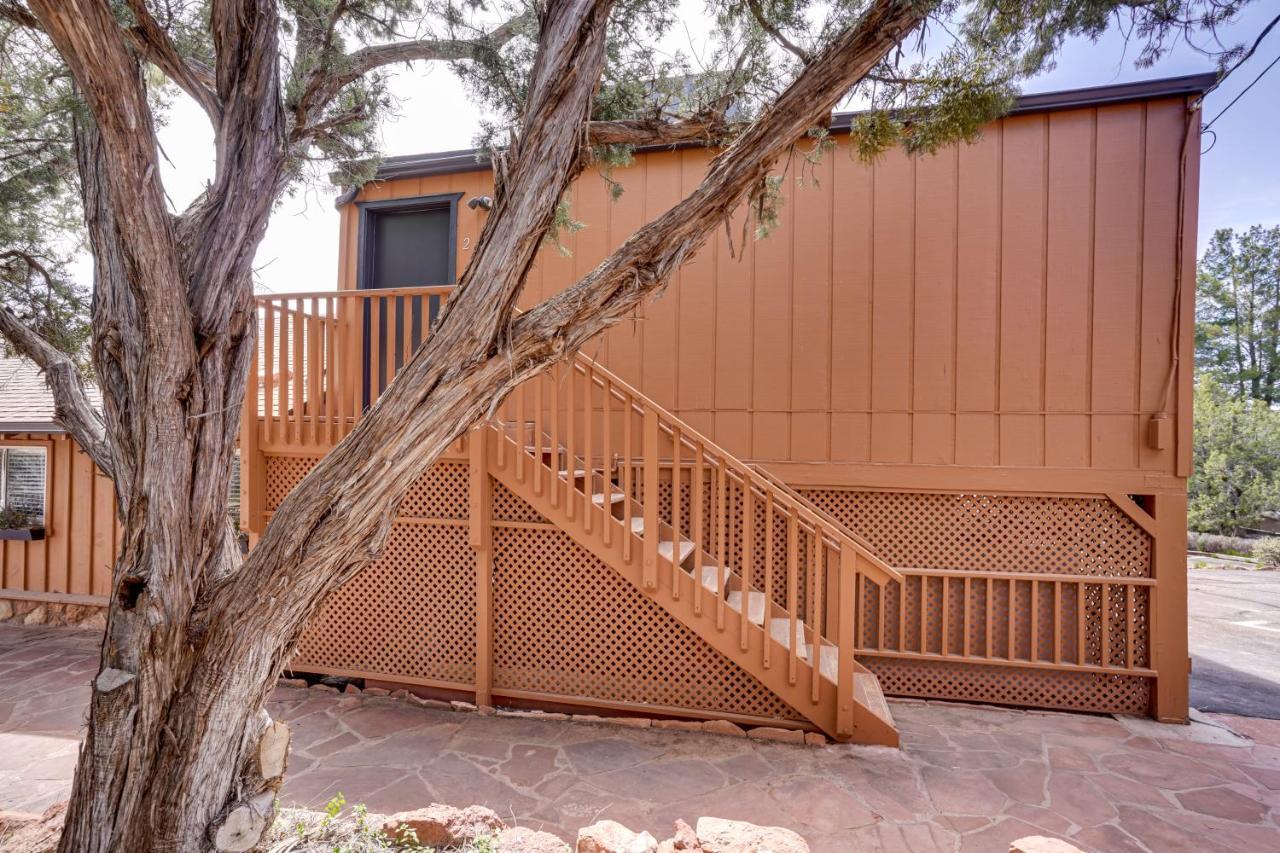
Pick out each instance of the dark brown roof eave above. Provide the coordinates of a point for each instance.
(471, 159)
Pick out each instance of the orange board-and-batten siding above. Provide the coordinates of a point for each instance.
(1007, 305)
(72, 564)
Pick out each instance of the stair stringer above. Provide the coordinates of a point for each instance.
(717, 624)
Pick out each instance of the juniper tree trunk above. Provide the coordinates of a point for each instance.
(180, 754)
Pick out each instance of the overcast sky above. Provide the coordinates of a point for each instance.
(1240, 172)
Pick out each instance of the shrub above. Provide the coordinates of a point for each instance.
(1213, 543)
(1267, 552)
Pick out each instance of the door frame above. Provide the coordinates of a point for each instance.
(369, 211)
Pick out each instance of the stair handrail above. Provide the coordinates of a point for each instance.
(802, 508)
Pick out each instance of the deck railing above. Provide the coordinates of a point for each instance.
(324, 357)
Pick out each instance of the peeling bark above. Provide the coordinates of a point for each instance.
(179, 753)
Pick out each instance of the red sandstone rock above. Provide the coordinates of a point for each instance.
(30, 834)
(815, 738)
(608, 836)
(522, 839)
(684, 725)
(723, 727)
(1042, 844)
(773, 733)
(717, 835)
(442, 826)
(685, 838)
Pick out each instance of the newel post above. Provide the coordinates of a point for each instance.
(848, 592)
(480, 506)
(1169, 655)
(253, 465)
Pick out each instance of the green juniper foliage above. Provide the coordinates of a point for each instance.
(1238, 313)
(1237, 467)
(39, 209)
(942, 85)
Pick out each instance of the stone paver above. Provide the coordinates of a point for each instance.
(966, 779)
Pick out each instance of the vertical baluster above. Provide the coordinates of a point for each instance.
(1106, 624)
(285, 392)
(1012, 651)
(588, 452)
(314, 359)
(722, 554)
(793, 579)
(375, 306)
(924, 614)
(299, 372)
(748, 558)
(964, 616)
(357, 357)
(676, 528)
(539, 475)
(699, 540)
(521, 440)
(1081, 648)
(880, 607)
(1034, 645)
(988, 589)
(1129, 602)
(606, 456)
(860, 627)
(571, 440)
(944, 639)
(389, 342)
(815, 674)
(768, 573)
(406, 328)
(628, 475)
(557, 449)
(901, 639)
(651, 500)
(333, 384)
(1057, 622)
(269, 368)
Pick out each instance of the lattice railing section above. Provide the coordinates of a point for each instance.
(1025, 600)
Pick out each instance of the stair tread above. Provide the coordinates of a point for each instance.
(666, 547)
(599, 498)
(868, 693)
(755, 604)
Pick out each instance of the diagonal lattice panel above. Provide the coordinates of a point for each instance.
(565, 624)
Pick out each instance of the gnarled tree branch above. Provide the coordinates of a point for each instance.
(72, 407)
(153, 42)
(329, 78)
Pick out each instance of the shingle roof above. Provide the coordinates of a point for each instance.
(26, 403)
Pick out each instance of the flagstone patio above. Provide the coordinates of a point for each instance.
(967, 778)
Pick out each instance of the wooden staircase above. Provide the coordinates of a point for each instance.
(759, 573)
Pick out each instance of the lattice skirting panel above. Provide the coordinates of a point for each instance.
(1010, 533)
(565, 624)
(1010, 685)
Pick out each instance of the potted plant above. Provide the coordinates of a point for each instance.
(16, 524)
